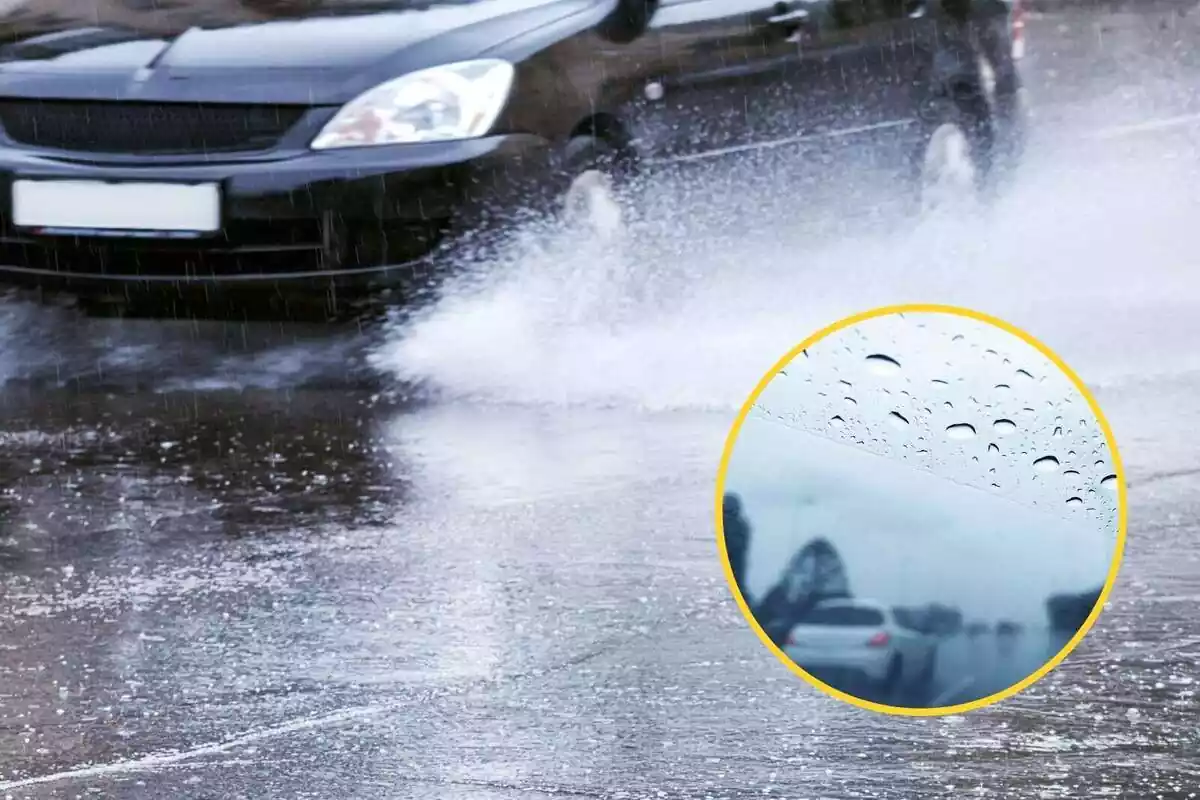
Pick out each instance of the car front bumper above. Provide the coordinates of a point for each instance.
(869, 664)
(355, 218)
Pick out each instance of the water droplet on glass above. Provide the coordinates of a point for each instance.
(837, 422)
(1074, 501)
(1109, 482)
(851, 401)
(958, 337)
(847, 384)
(1100, 463)
(961, 431)
(883, 365)
(1046, 464)
(898, 420)
(1003, 387)
(1058, 433)
(995, 450)
(1023, 374)
(1071, 473)
(1004, 427)
(939, 382)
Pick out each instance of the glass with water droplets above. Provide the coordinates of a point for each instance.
(961, 430)
(1046, 464)
(882, 365)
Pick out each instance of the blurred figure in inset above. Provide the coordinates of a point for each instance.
(1067, 614)
(737, 539)
(1007, 635)
(977, 630)
(942, 620)
(815, 573)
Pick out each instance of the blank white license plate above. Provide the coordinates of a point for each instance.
(115, 207)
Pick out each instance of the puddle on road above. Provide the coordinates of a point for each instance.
(58, 347)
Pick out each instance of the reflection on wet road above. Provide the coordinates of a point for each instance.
(274, 592)
(371, 604)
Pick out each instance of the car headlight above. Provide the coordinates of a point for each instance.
(453, 101)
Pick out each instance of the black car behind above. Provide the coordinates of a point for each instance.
(321, 148)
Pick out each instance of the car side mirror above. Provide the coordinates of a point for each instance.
(629, 20)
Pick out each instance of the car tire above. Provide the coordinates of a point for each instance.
(928, 671)
(596, 174)
(952, 165)
(891, 681)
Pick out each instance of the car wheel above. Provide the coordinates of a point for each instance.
(928, 671)
(891, 681)
(952, 161)
(597, 171)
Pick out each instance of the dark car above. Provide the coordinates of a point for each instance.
(337, 146)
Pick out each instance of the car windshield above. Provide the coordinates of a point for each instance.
(848, 616)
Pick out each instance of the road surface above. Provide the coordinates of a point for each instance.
(233, 565)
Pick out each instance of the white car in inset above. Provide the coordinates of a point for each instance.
(864, 639)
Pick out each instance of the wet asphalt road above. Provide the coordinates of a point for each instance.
(220, 580)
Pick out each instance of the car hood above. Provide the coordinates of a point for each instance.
(327, 55)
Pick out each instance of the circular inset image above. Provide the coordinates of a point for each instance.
(921, 510)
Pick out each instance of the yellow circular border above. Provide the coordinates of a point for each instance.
(1118, 470)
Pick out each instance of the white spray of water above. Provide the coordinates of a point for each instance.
(675, 316)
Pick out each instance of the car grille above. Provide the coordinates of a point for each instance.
(146, 128)
(266, 247)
